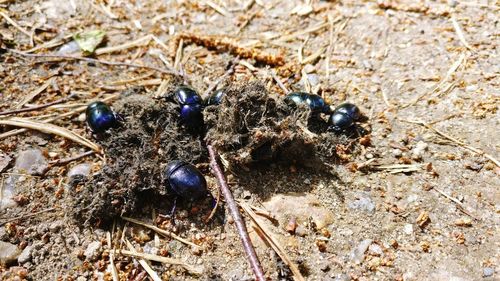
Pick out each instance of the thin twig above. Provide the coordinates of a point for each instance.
(458, 142)
(272, 241)
(235, 213)
(35, 93)
(27, 216)
(161, 231)
(97, 61)
(278, 81)
(460, 33)
(11, 21)
(37, 107)
(456, 201)
(151, 257)
(218, 81)
(144, 264)
(71, 159)
(114, 272)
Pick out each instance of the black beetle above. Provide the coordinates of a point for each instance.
(343, 117)
(340, 122)
(316, 103)
(216, 97)
(186, 180)
(349, 109)
(100, 117)
(191, 111)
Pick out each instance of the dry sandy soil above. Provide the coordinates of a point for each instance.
(417, 198)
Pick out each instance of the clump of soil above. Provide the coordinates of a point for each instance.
(249, 127)
(252, 126)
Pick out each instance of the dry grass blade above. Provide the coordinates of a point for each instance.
(399, 168)
(460, 33)
(160, 231)
(51, 129)
(266, 234)
(144, 263)
(114, 272)
(151, 257)
(14, 23)
(456, 141)
(136, 43)
(35, 93)
(450, 72)
(456, 201)
(218, 8)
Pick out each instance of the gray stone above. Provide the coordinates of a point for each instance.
(343, 277)
(31, 162)
(56, 226)
(358, 254)
(8, 252)
(93, 251)
(363, 203)
(488, 271)
(375, 250)
(79, 170)
(418, 152)
(25, 255)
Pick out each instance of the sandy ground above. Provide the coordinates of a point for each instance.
(424, 73)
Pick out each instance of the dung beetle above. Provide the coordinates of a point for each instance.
(349, 109)
(315, 102)
(340, 122)
(100, 117)
(343, 117)
(216, 98)
(186, 180)
(191, 106)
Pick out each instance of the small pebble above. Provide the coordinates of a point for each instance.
(363, 202)
(488, 271)
(358, 254)
(301, 231)
(8, 252)
(93, 251)
(79, 170)
(25, 255)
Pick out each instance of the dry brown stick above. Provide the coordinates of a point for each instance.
(218, 81)
(27, 216)
(278, 81)
(37, 107)
(235, 213)
(111, 63)
(71, 159)
(161, 231)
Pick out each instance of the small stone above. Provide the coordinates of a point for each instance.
(31, 162)
(358, 254)
(375, 250)
(93, 251)
(418, 152)
(25, 255)
(301, 231)
(488, 271)
(408, 228)
(291, 226)
(8, 252)
(363, 203)
(55, 226)
(79, 170)
(397, 152)
(343, 277)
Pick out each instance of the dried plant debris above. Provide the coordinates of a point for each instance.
(136, 155)
(254, 126)
(250, 126)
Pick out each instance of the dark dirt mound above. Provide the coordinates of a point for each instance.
(249, 127)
